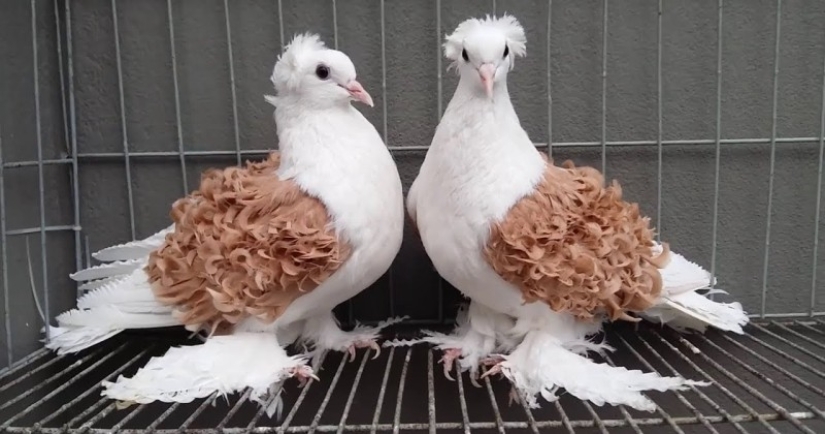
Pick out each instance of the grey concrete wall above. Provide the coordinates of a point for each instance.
(688, 113)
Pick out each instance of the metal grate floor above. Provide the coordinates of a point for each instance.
(770, 380)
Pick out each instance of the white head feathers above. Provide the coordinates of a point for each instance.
(313, 74)
(481, 35)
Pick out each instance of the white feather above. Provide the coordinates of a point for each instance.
(222, 365)
(109, 269)
(541, 365)
(97, 283)
(133, 249)
(682, 308)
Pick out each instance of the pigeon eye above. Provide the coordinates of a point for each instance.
(464, 55)
(322, 72)
(506, 51)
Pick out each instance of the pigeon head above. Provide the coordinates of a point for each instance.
(484, 50)
(309, 71)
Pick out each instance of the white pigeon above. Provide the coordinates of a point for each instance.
(545, 253)
(258, 256)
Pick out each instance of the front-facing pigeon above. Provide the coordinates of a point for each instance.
(257, 256)
(545, 253)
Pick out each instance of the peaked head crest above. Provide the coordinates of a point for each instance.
(286, 74)
(507, 25)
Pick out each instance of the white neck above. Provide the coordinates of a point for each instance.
(335, 154)
(481, 154)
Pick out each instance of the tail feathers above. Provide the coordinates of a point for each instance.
(542, 366)
(97, 283)
(222, 365)
(110, 269)
(111, 317)
(130, 289)
(67, 340)
(680, 276)
(682, 308)
(693, 311)
(134, 249)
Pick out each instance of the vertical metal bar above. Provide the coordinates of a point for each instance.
(380, 401)
(659, 122)
(232, 82)
(430, 393)
(818, 195)
(281, 23)
(465, 417)
(492, 396)
(440, 98)
(335, 23)
(494, 7)
(124, 133)
(384, 72)
(549, 81)
(352, 392)
(61, 74)
(773, 156)
(438, 58)
(73, 131)
(604, 93)
(320, 412)
(181, 153)
(384, 125)
(717, 163)
(40, 176)
(4, 252)
(400, 397)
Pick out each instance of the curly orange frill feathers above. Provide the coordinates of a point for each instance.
(245, 244)
(577, 246)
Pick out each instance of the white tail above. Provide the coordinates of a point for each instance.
(222, 365)
(682, 308)
(115, 296)
(542, 364)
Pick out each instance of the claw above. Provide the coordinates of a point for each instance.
(474, 381)
(374, 345)
(448, 359)
(351, 351)
(513, 397)
(447, 368)
(496, 369)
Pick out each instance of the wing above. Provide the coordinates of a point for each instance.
(577, 246)
(245, 244)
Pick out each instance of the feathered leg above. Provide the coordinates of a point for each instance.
(323, 333)
(543, 363)
(222, 365)
(478, 333)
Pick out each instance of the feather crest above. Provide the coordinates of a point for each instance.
(508, 25)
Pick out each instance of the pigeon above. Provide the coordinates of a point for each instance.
(258, 256)
(546, 254)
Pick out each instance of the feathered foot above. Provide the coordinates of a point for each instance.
(541, 365)
(448, 359)
(322, 333)
(303, 373)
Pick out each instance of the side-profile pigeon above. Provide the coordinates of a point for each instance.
(545, 253)
(257, 256)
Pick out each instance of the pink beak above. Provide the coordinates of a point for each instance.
(487, 72)
(357, 92)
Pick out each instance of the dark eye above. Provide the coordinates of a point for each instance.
(506, 51)
(322, 72)
(464, 55)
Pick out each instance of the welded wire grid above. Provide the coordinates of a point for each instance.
(769, 380)
(73, 157)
